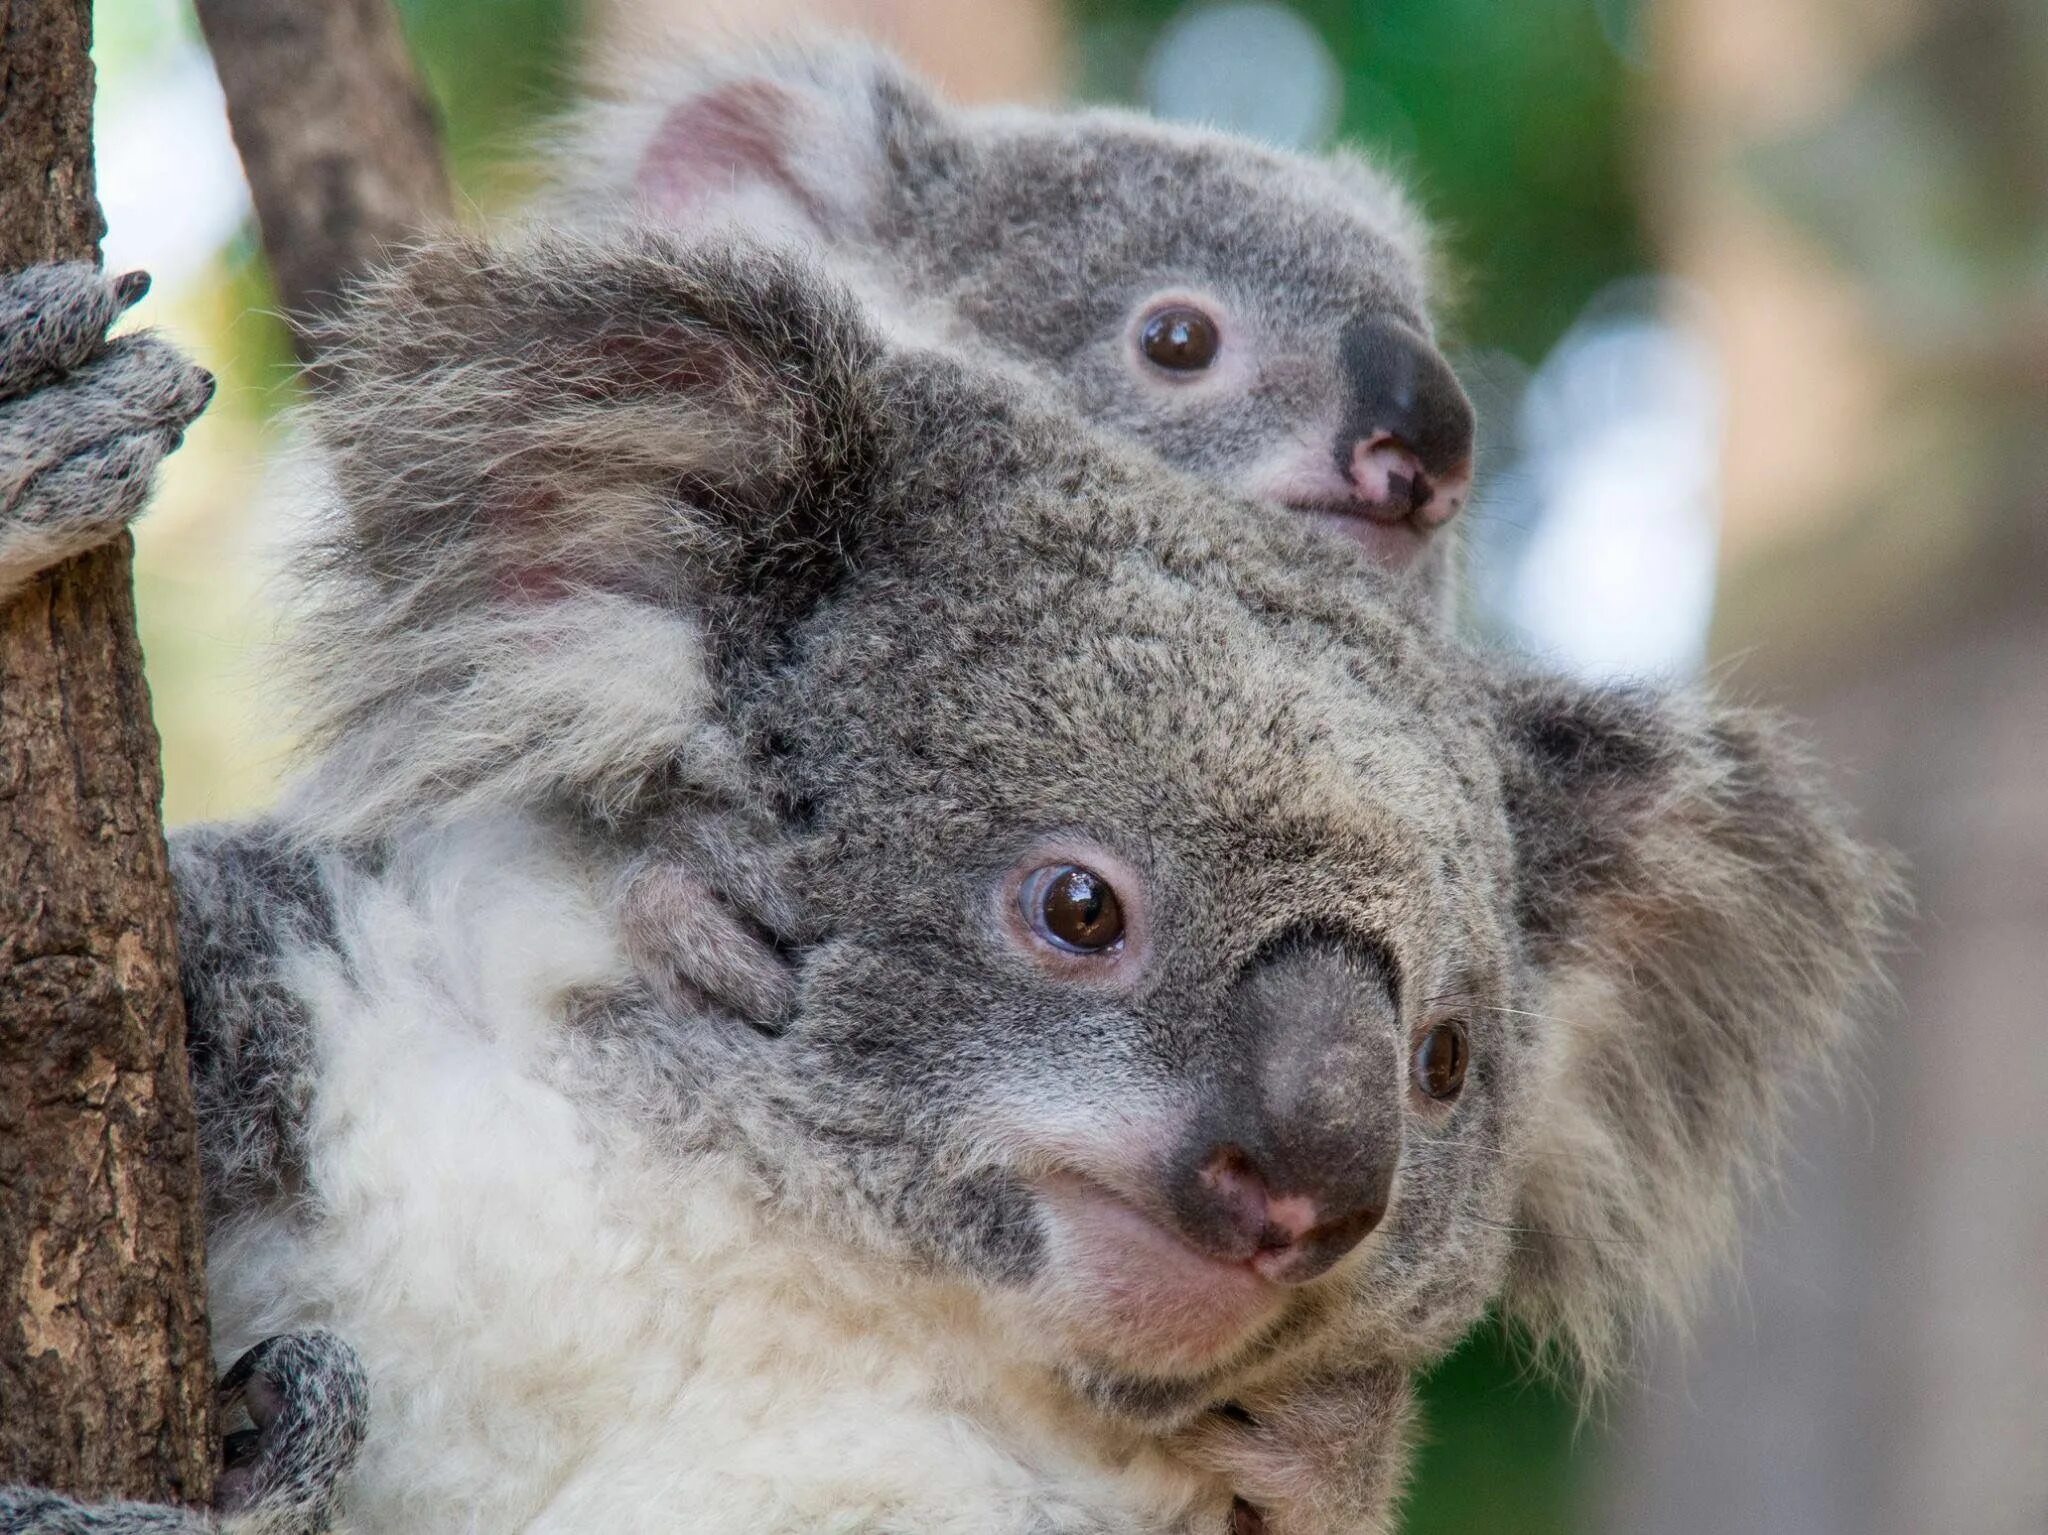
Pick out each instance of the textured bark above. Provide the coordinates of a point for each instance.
(337, 135)
(105, 1372)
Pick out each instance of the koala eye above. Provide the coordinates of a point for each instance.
(1179, 338)
(1072, 908)
(1438, 1066)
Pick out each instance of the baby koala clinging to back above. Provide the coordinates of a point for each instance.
(1257, 317)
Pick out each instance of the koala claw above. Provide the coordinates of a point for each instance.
(1309, 1457)
(704, 919)
(84, 421)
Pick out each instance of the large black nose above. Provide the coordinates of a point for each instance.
(1291, 1162)
(1405, 442)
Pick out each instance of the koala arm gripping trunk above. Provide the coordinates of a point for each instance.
(84, 421)
(306, 1397)
(1701, 928)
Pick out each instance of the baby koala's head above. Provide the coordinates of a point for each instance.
(1260, 318)
(1208, 957)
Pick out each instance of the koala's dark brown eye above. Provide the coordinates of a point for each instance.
(1073, 908)
(1179, 338)
(1439, 1063)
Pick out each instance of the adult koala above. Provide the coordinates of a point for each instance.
(1210, 978)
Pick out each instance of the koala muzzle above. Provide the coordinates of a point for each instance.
(1405, 443)
(1291, 1162)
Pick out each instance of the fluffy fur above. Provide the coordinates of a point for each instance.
(605, 1262)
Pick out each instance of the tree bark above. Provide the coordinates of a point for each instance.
(337, 134)
(105, 1372)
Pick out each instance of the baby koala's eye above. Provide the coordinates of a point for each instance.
(1438, 1065)
(1179, 338)
(1072, 908)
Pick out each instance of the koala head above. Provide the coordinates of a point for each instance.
(1207, 957)
(1257, 317)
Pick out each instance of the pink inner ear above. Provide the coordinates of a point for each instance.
(715, 145)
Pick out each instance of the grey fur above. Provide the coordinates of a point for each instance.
(84, 421)
(1033, 239)
(1028, 240)
(926, 607)
(928, 619)
(305, 1396)
(250, 902)
(934, 611)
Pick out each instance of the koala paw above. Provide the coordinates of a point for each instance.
(84, 421)
(1314, 1456)
(308, 1404)
(305, 1394)
(707, 919)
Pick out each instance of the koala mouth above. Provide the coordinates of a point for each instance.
(1396, 545)
(1386, 502)
(1123, 1287)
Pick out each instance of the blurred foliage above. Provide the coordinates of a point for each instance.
(497, 67)
(1927, 183)
(1926, 188)
(1498, 1447)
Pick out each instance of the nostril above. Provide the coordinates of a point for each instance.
(1237, 1192)
(1388, 478)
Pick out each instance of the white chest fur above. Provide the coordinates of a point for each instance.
(564, 1333)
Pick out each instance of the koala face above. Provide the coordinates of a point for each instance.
(1169, 924)
(1203, 954)
(1168, 934)
(1257, 317)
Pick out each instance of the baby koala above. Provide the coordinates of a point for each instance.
(1258, 317)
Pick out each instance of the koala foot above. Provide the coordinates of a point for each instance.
(308, 1405)
(707, 919)
(305, 1394)
(84, 421)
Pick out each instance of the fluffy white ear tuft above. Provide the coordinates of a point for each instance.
(788, 142)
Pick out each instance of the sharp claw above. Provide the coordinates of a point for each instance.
(129, 288)
(240, 1448)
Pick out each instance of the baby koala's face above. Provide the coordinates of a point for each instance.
(1166, 913)
(1257, 317)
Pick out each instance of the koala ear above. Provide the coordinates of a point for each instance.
(559, 466)
(802, 140)
(1701, 928)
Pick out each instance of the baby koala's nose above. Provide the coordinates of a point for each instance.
(1405, 442)
(1290, 1234)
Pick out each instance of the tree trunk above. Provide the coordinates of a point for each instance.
(105, 1373)
(337, 135)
